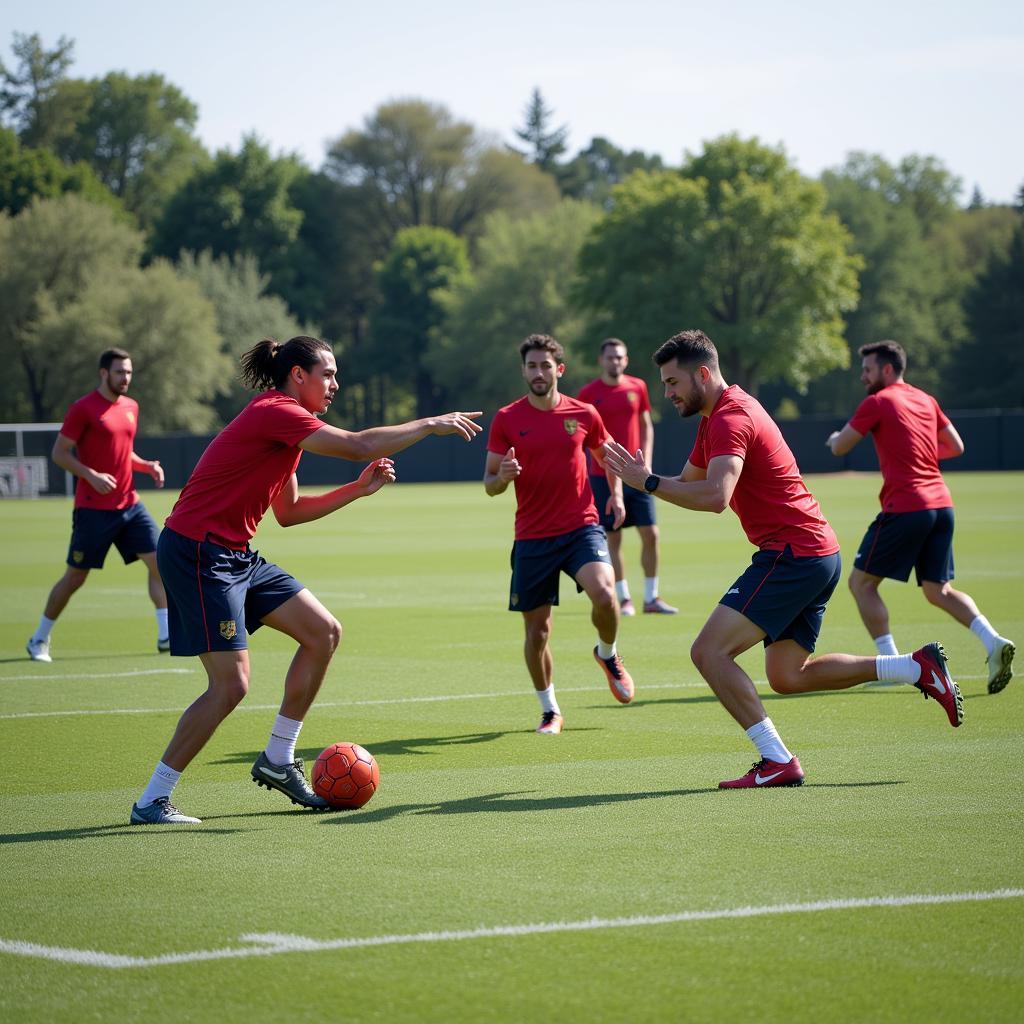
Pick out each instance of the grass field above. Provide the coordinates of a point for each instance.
(500, 875)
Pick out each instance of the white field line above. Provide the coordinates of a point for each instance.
(272, 944)
(100, 675)
(338, 703)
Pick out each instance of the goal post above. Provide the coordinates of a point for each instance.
(26, 470)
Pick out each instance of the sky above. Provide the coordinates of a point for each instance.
(820, 79)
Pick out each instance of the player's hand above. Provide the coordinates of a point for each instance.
(376, 475)
(102, 483)
(617, 510)
(831, 439)
(156, 471)
(509, 468)
(630, 469)
(456, 423)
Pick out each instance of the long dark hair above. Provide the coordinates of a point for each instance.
(268, 364)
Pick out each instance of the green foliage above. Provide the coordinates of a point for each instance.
(34, 98)
(27, 173)
(423, 263)
(545, 144)
(70, 287)
(594, 171)
(738, 244)
(525, 271)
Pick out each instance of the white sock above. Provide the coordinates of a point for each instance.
(162, 783)
(605, 650)
(650, 588)
(886, 644)
(44, 628)
(897, 668)
(161, 623)
(547, 700)
(768, 742)
(281, 745)
(622, 590)
(983, 630)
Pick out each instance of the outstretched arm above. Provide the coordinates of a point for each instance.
(290, 509)
(842, 441)
(379, 441)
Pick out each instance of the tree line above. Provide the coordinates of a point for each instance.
(425, 251)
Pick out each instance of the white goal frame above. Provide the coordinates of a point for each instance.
(24, 476)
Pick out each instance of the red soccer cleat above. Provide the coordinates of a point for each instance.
(550, 724)
(936, 682)
(659, 607)
(626, 607)
(768, 773)
(620, 682)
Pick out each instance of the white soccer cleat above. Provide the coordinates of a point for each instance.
(1000, 665)
(38, 650)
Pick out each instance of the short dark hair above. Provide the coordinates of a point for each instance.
(890, 352)
(687, 348)
(545, 343)
(108, 357)
(612, 341)
(268, 364)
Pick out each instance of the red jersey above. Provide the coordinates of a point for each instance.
(621, 407)
(553, 494)
(773, 504)
(104, 433)
(242, 471)
(905, 423)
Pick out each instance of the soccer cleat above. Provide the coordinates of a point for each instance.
(289, 779)
(768, 773)
(550, 723)
(659, 607)
(163, 644)
(626, 607)
(1000, 665)
(619, 680)
(39, 650)
(936, 682)
(160, 812)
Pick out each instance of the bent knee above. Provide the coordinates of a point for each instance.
(605, 600)
(785, 682)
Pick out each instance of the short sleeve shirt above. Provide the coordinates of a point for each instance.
(553, 495)
(905, 423)
(621, 407)
(242, 471)
(104, 434)
(771, 500)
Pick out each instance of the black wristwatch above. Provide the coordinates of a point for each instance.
(651, 483)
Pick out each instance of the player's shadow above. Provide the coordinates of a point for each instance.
(710, 698)
(116, 831)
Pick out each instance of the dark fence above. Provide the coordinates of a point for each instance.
(994, 440)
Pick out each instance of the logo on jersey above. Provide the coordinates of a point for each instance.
(228, 629)
(633, 397)
(130, 416)
(571, 426)
(78, 557)
(515, 599)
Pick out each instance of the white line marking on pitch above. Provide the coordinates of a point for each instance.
(339, 703)
(102, 675)
(272, 943)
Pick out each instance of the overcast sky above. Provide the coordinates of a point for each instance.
(821, 78)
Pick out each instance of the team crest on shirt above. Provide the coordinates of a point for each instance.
(130, 416)
(228, 629)
(78, 557)
(571, 426)
(632, 397)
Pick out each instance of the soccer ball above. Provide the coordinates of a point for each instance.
(345, 775)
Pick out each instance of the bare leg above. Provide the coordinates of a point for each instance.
(157, 594)
(791, 669)
(62, 591)
(649, 551)
(598, 582)
(873, 612)
(954, 602)
(615, 553)
(536, 649)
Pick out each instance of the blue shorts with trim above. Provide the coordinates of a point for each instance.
(785, 596)
(639, 504)
(897, 542)
(536, 565)
(131, 530)
(216, 595)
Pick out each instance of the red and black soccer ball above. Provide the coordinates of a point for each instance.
(345, 775)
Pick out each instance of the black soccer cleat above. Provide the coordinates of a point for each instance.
(289, 779)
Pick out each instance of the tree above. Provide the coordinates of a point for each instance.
(546, 144)
(239, 205)
(594, 171)
(70, 286)
(737, 243)
(27, 173)
(423, 263)
(524, 274)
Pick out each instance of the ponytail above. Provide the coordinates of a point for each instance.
(267, 364)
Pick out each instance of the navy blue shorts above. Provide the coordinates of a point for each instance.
(93, 530)
(897, 542)
(785, 596)
(536, 565)
(216, 595)
(639, 504)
